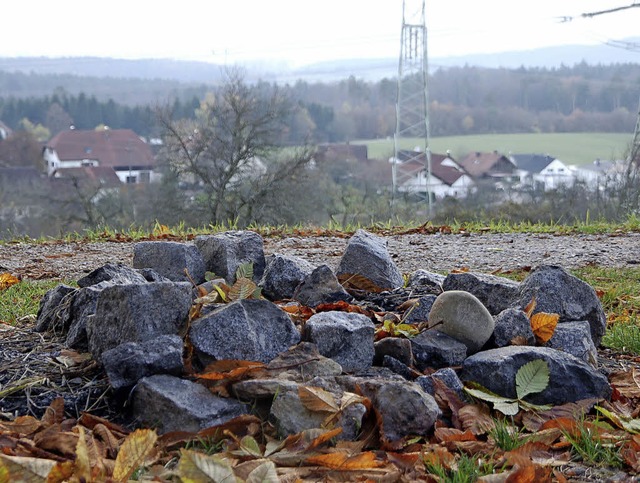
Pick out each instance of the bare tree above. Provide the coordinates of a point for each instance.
(231, 157)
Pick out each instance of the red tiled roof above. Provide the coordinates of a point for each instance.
(111, 147)
(102, 175)
(479, 164)
(447, 174)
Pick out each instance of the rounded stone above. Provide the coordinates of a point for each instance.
(462, 316)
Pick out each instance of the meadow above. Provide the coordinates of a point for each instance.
(571, 148)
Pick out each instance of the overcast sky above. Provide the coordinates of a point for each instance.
(297, 32)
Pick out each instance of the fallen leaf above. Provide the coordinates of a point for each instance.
(354, 281)
(7, 280)
(22, 468)
(343, 461)
(543, 326)
(134, 453)
(196, 467)
(531, 306)
(317, 399)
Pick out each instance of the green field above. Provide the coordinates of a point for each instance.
(571, 148)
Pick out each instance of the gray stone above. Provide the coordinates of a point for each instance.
(571, 379)
(225, 252)
(462, 316)
(51, 308)
(303, 362)
(556, 291)
(254, 330)
(495, 293)
(77, 310)
(448, 377)
(320, 287)
(262, 388)
(172, 260)
(127, 363)
(366, 254)
(513, 325)
(117, 273)
(345, 337)
(419, 312)
(282, 275)
(168, 403)
(575, 338)
(423, 278)
(434, 349)
(399, 368)
(397, 347)
(135, 313)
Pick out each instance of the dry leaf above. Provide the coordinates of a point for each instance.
(7, 280)
(354, 281)
(531, 306)
(134, 452)
(543, 326)
(21, 468)
(54, 414)
(342, 461)
(197, 467)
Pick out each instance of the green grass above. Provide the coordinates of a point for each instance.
(589, 447)
(23, 299)
(571, 148)
(465, 470)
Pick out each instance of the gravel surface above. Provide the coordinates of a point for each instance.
(438, 253)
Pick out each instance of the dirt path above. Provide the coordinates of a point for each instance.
(438, 252)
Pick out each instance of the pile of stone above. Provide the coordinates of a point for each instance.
(136, 322)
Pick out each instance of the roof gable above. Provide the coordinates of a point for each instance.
(479, 164)
(440, 165)
(111, 147)
(532, 163)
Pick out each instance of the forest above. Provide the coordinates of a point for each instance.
(463, 100)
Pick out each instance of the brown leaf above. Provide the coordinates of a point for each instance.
(323, 438)
(54, 414)
(446, 435)
(108, 438)
(7, 280)
(627, 383)
(56, 441)
(317, 399)
(22, 426)
(524, 474)
(531, 306)
(90, 421)
(475, 418)
(354, 281)
(543, 326)
(134, 452)
(343, 461)
(341, 306)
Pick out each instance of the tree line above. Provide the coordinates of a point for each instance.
(464, 100)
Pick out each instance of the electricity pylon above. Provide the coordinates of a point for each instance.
(412, 106)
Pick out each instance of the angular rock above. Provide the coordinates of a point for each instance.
(448, 377)
(225, 252)
(345, 337)
(556, 291)
(570, 380)
(127, 363)
(320, 287)
(135, 313)
(575, 339)
(76, 312)
(397, 347)
(434, 349)
(462, 316)
(170, 260)
(253, 330)
(282, 275)
(513, 325)
(419, 312)
(168, 403)
(399, 368)
(51, 308)
(366, 254)
(252, 389)
(495, 293)
(423, 278)
(117, 273)
(302, 362)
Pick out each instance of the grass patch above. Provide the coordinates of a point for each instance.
(464, 470)
(588, 446)
(23, 299)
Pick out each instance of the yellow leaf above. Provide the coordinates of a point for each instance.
(83, 464)
(531, 306)
(342, 461)
(543, 326)
(201, 468)
(7, 280)
(134, 452)
(26, 469)
(317, 399)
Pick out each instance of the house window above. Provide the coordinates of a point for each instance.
(560, 170)
(145, 177)
(132, 179)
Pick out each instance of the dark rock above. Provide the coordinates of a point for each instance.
(320, 287)
(423, 278)
(168, 403)
(127, 363)
(302, 362)
(419, 312)
(282, 275)
(345, 337)
(179, 262)
(225, 252)
(575, 339)
(434, 349)
(135, 313)
(254, 330)
(397, 347)
(51, 308)
(117, 273)
(556, 291)
(495, 293)
(462, 316)
(512, 325)
(571, 379)
(366, 254)
(448, 377)
(399, 368)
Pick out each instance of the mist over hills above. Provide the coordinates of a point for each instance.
(191, 72)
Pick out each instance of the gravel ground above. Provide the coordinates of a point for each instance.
(439, 252)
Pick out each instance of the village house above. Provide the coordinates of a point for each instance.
(447, 178)
(120, 150)
(542, 171)
(5, 132)
(601, 173)
(488, 166)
